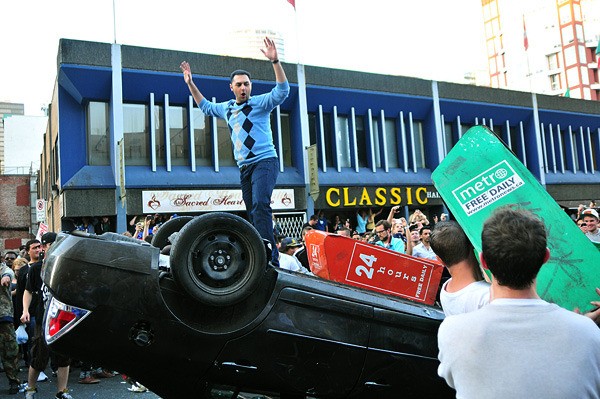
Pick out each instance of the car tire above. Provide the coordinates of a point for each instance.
(218, 259)
(161, 238)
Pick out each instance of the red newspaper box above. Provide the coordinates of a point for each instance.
(345, 260)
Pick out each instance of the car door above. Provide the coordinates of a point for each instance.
(402, 359)
(310, 344)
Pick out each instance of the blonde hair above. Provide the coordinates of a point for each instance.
(19, 263)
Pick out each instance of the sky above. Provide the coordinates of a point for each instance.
(431, 39)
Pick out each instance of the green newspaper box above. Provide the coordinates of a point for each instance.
(479, 175)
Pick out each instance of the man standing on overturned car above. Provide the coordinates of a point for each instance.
(249, 123)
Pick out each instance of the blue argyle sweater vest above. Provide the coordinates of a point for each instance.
(250, 123)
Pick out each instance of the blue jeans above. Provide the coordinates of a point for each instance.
(258, 181)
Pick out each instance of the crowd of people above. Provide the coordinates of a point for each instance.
(396, 233)
(496, 317)
(23, 300)
(393, 233)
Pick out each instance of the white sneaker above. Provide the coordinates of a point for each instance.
(42, 377)
(137, 387)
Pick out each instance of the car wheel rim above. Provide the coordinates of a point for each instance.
(221, 262)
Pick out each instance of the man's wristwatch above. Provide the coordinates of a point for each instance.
(275, 61)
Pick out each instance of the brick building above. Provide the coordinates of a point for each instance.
(15, 210)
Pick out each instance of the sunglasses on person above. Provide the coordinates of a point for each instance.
(10, 258)
(582, 224)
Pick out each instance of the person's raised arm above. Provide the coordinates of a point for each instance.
(393, 212)
(409, 243)
(270, 51)
(187, 78)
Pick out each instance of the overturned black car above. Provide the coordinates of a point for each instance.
(219, 317)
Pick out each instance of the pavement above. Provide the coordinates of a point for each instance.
(108, 388)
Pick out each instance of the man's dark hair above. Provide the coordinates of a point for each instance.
(239, 72)
(11, 252)
(386, 225)
(449, 241)
(428, 227)
(314, 218)
(513, 243)
(413, 227)
(29, 243)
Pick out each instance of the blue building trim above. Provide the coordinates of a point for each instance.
(443, 112)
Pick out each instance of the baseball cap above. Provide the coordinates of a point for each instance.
(289, 242)
(48, 238)
(590, 212)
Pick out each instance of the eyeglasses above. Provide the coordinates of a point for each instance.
(582, 225)
(10, 258)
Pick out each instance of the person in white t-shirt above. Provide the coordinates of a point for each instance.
(466, 290)
(532, 348)
(287, 260)
(424, 250)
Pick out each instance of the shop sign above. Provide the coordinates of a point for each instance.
(353, 197)
(181, 201)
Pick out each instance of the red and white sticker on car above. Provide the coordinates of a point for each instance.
(375, 268)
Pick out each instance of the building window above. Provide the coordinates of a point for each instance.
(564, 15)
(179, 136)
(377, 146)
(136, 134)
(553, 61)
(361, 142)
(202, 138)
(555, 81)
(417, 142)
(322, 138)
(328, 139)
(312, 129)
(562, 147)
(159, 135)
(286, 151)
(98, 138)
(343, 142)
(225, 148)
(391, 139)
(448, 136)
(574, 150)
(492, 65)
(573, 77)
(570, 56)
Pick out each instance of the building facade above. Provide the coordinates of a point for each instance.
(16, 213)
(125, 138)
(20, 147)
(553, 53)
